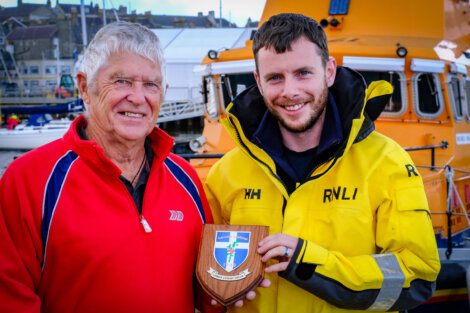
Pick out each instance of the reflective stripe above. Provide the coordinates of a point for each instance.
(187, 183)
(392, 284)
(52, 194)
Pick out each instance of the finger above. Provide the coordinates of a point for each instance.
(269, 238)
(239, 303)
(265, 283)
(269, 242)
(280, 252)
(278, 267)
(251, 295)
(275, 240)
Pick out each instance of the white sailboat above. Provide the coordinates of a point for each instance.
(25, 137)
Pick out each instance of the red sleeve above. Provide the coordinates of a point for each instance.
(20, 267)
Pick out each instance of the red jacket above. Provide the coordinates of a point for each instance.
(71, 236)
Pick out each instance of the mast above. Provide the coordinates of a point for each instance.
(83, 20)
(104, 12)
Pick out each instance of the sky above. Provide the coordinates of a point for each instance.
(236, 11)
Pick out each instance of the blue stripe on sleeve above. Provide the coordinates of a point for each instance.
(52, 194)
(187, 183)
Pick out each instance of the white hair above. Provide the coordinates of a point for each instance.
(119, 37)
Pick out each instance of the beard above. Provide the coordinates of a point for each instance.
(317, 106)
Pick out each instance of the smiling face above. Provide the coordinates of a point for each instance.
(294, 84)
(124, 101)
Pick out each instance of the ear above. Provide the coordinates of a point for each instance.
(330, 71)
(83, 87)
(258, 81)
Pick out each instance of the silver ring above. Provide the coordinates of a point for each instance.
(286, 252)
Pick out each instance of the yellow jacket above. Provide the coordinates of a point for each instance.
(366, 238)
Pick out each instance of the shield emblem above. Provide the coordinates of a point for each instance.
(228, 265)
(231, 248)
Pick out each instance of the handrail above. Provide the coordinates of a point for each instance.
(443, 145)
(189, 156)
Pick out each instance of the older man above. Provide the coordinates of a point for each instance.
(105, 219)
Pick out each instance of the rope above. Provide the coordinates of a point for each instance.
(452, 190)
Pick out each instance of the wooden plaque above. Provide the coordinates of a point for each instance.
(228, 264)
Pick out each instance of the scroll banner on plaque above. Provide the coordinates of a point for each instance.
(228, 264)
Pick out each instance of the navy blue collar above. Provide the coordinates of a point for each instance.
(268, 136)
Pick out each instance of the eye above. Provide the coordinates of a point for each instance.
(154, 86)
(304, 73)
(122, 82)
(274, 78)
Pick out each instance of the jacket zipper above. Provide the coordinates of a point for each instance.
(253, 156)
(142, 220)
(145, 224)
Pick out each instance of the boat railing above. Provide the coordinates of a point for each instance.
(173, 111)
(192, 156)
(442, 145)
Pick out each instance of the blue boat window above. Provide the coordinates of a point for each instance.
(339, 7)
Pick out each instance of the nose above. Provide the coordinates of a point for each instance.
(137, 94)
(290, 88)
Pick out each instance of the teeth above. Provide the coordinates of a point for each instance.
(130, 114)
(293, 107)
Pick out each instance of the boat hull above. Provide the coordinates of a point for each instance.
(30, 138)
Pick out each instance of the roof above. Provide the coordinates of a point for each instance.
(33, 32)
(67, 8)
(163, 21)
(23, 11)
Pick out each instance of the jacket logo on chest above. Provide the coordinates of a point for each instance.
(339, 193)
(176, 215)
(251, 193)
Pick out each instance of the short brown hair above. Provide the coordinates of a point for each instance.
(281, 30)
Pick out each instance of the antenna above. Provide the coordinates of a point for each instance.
(104, 12)
(83, 20)
(220, 13)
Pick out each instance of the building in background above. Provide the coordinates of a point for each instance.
(39, 43)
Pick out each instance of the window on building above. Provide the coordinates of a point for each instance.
(398, 101)
(456, 96)
(51, 70)
(34, 88)
(467, 94)
(427, 95)
(50, 85)
(34, 69)
(65, 69)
